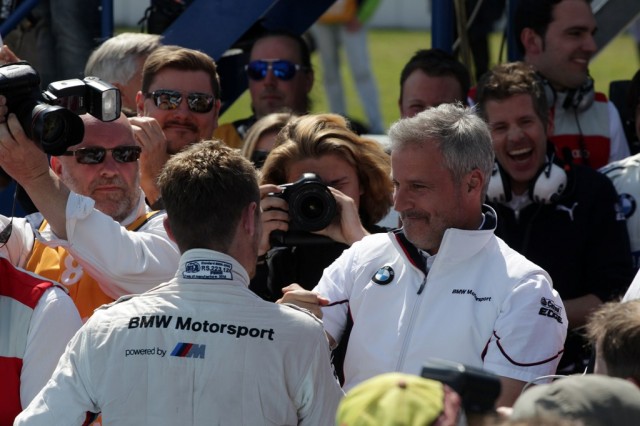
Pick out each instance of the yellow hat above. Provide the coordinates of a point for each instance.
(396, 399)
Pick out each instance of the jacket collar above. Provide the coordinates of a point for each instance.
(203, 265)
(457, 244)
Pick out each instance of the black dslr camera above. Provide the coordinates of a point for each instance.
(50, 117)
(478, 388)
(312, 207)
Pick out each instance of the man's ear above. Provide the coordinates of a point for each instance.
(250, 218)
(140, 103)
(216, 109)
(475, 182)
(550, 126)
(56, 165)
(310, 78)
(532, 41)
(167, 227)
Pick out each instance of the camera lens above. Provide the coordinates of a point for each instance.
(55, 128)
(312, 207)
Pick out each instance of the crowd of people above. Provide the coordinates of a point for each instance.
(180, 272)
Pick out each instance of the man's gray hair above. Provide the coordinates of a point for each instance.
(461, 135)
(115, 60)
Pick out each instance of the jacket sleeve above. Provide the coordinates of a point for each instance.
(529, 332)
(66, 398)
(319, 393)
(122, 262)
(54, 321)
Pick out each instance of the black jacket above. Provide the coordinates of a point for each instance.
(581, 240)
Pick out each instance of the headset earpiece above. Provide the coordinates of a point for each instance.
(549, 184)
(545, 187)
(580, 99)
(499, 190)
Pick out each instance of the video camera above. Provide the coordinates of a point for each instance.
(312, 207)
(478, 388)
(50, 117)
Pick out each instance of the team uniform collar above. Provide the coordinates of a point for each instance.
(457, 244)
(205, 265)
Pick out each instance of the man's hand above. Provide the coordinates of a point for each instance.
(150, 136)
(20, 157)
(29, 166)
(306, 299)
(7, 56)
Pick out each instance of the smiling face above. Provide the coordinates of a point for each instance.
(181, 126)
(427, 197)
(421, 91)
(519, 138)
(563, 55)
(114, 186)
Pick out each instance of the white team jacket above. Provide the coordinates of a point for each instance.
(481, 304)
(201, 349)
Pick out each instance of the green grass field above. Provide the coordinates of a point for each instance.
(390, 49)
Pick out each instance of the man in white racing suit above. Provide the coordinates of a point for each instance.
(202, 348)
(443, 286)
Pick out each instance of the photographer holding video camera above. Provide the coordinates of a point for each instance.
(87, 195)
(323, 188)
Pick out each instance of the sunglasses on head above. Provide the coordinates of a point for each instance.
(283, 70)
(170, 99)
(96, 154)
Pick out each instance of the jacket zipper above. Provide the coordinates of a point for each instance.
(407, 336)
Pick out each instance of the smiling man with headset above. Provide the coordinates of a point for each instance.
(563, 217)
(556, 38)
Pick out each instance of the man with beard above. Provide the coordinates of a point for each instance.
(97, 238)
(280, 79)
(443, 286)
(177, 106)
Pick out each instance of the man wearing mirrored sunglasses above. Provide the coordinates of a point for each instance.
(98, 238)
(178, 105)
(280, 79)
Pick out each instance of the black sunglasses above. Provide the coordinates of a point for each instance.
(97, 154)
(170, 99)
(283, 70)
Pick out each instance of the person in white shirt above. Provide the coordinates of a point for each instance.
(443, 286)
(201, 348)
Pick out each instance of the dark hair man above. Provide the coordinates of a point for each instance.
(564, 218)
(201, 348)
(556, 38)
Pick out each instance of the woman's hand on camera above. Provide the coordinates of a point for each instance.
(346, 227)
(275, 215)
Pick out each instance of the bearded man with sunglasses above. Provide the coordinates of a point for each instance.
(280, 78)
(178, 105)
(98, 238)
